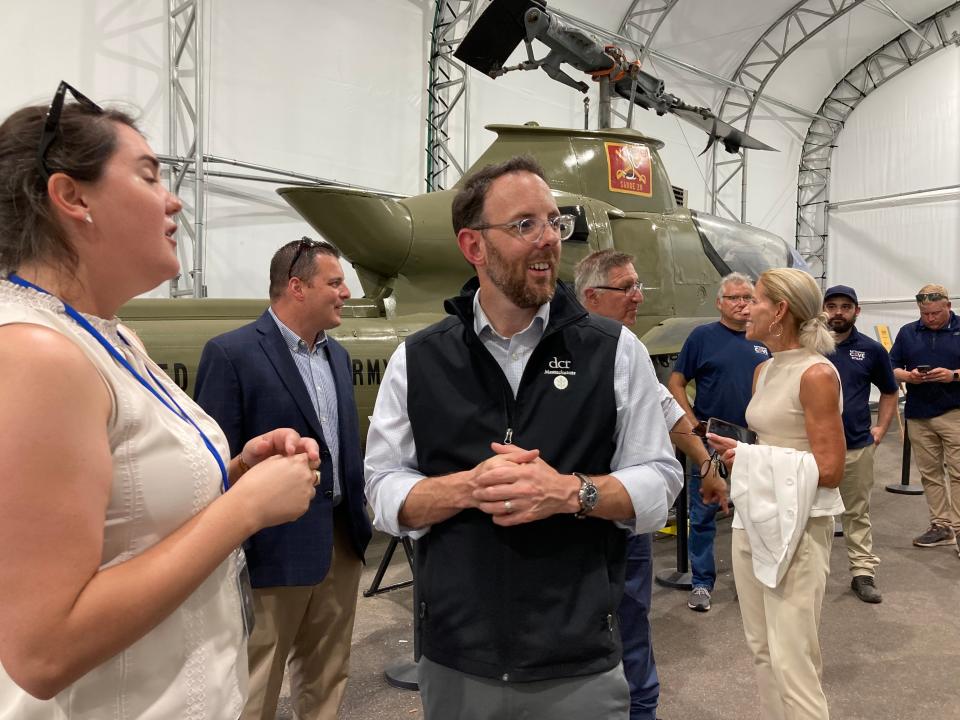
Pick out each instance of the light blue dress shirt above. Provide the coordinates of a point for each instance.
(313, 364)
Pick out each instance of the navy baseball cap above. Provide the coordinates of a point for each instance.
(841, 290)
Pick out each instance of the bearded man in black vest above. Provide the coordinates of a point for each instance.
(517, 440)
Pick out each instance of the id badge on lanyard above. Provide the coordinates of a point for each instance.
(246, 593)
(243, 573)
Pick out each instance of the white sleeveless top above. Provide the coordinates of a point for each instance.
(193, 665)
(776, 415)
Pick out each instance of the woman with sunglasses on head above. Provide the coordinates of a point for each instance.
(121, 586)
(796, 406)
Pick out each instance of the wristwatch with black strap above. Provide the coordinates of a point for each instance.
(589, 496)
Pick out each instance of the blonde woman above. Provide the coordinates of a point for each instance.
(796, 405)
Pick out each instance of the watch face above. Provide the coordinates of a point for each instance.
(589, 495)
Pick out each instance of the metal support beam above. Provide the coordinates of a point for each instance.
(813, 184)
(907, 25)
(185, 125)
(448, 96)
(640, 23)
(789, 32)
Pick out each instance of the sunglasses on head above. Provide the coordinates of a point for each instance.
(930, 297)
(52, 123)
(304, 243)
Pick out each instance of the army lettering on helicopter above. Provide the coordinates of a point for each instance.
(374, 370)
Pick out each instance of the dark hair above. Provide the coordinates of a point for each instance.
(467, 207)
(85, 142)
(282, 266)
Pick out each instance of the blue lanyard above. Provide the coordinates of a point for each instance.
(172, 405)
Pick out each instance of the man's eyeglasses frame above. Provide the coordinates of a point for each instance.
(563, 225)
(930, 297)
(630, 289)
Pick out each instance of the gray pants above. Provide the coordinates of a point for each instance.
(449, 694)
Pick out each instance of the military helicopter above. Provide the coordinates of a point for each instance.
(405, 255)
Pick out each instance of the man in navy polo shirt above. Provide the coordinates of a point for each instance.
(861, 361)
(926, 356)
(721, 361)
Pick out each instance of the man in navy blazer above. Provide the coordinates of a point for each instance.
(283, 370)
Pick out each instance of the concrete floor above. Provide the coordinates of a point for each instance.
(895, 661)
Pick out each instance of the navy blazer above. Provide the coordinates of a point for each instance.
(248, 382)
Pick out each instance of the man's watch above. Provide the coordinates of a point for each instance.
(589, 496)
(956, 376)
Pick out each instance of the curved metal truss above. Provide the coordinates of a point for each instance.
(791, 30)
(813, 185)
(448, 84)
(640, 24)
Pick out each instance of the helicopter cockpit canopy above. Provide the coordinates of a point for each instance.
(733, 247)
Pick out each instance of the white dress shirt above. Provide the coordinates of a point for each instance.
(643, 459)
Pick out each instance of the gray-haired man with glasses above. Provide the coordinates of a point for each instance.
(517, 440)
(926, 356)
(720, 359)
(607, 284)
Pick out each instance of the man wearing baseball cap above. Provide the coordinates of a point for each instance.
(926, 356)
(860, 361)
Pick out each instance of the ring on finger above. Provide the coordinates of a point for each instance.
(317, 481)
(508, 506)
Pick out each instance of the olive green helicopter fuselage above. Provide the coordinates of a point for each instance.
(407, 260)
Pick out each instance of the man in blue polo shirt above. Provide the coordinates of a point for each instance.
(926, 356)
(721, 361)
(861, 361)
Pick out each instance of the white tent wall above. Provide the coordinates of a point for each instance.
(903, 137)
(320, 87)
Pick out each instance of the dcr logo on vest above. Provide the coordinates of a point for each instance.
(560, 368)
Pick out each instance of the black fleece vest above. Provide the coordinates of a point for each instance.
(538, 600)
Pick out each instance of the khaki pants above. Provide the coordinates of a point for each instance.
(935, 441)
(311, 628)
(855, 490)
(781, 624)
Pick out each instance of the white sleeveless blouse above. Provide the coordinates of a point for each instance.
(193, 665)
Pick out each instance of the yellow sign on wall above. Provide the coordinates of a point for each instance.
(883, 335)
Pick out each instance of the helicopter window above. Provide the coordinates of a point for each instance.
(581, 229)
(733, 247)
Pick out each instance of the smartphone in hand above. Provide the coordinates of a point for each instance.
(923, 369)
(731, 430)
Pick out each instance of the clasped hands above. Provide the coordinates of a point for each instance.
(517, 486)
(282, 478)
(285, 442)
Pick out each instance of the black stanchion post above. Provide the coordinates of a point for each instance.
(679, 578)
(375, 588)
(904, 487)
(403, 673)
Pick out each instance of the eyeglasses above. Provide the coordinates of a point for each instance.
(930, 297)
(49, 133)
(718, 466)
(635, 288)
(738, 298)
(304, 243)
(531, 229)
